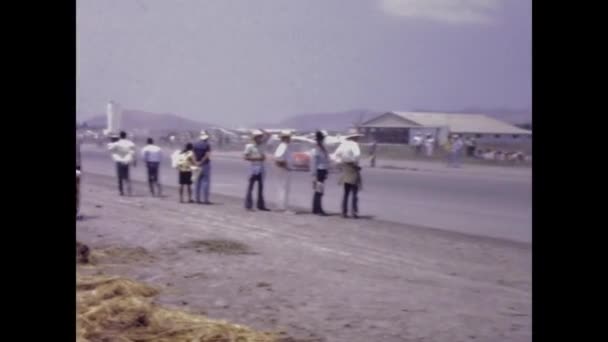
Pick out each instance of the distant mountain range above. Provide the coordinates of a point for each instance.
(136, 119)
(332, 121)
(340, 121)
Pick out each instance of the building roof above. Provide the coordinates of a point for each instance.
(457, 123)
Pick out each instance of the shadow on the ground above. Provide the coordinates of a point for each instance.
(361, 217)
(366, 217)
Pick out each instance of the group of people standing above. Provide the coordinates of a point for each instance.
(192, 158)
(347, 155)
(454, 147)
(194, 166)
(424, 144)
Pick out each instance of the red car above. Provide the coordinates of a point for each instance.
(301, 161)
(301, 157)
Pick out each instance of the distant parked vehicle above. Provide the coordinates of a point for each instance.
(301, 161)
(301, 157)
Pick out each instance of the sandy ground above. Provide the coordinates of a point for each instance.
(318, 279)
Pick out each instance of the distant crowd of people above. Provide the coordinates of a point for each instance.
(457, 147)
(193, 165)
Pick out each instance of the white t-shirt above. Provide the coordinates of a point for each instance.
(347, 152)
(152, 153)
(417, 141)
(283, 153)
(122, 151)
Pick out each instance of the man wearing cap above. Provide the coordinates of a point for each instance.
(123, 153)
(319, 160)
(254, 153)
(202, 152)
(348, 155)
(282, 159)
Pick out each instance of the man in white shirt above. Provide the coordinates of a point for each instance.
(123, 153)
(254, 153)
(456, 145)
(348, 155)
(152, 156)
(417, 142)
(282, 158)
(429, 143)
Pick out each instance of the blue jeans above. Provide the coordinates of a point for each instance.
(253, 178)
(454, 159)
(203, 182)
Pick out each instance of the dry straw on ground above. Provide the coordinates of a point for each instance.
(113, 309)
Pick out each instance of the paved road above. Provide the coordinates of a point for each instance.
(492, 204)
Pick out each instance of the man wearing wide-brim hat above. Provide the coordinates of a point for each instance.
(202, 176)
(348, 155)
(282, 158)
(254, 153)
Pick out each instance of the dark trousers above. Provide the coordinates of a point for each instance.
(471, 151)
(259, 178)
(348, 188)
(317, 207)
(153, 180)
(122, 171)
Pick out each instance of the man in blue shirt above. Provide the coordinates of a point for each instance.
(202, 152)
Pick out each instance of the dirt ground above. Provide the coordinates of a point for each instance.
(314, 278)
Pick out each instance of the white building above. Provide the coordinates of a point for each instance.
(114, 116)
(401, 127)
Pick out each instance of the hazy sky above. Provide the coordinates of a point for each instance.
(241, 61)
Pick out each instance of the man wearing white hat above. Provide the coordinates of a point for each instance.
(254, 153)
(202, 153)
(348, 155)
(282, 158)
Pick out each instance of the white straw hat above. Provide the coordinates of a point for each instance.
(352, 133)
(286, 133)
